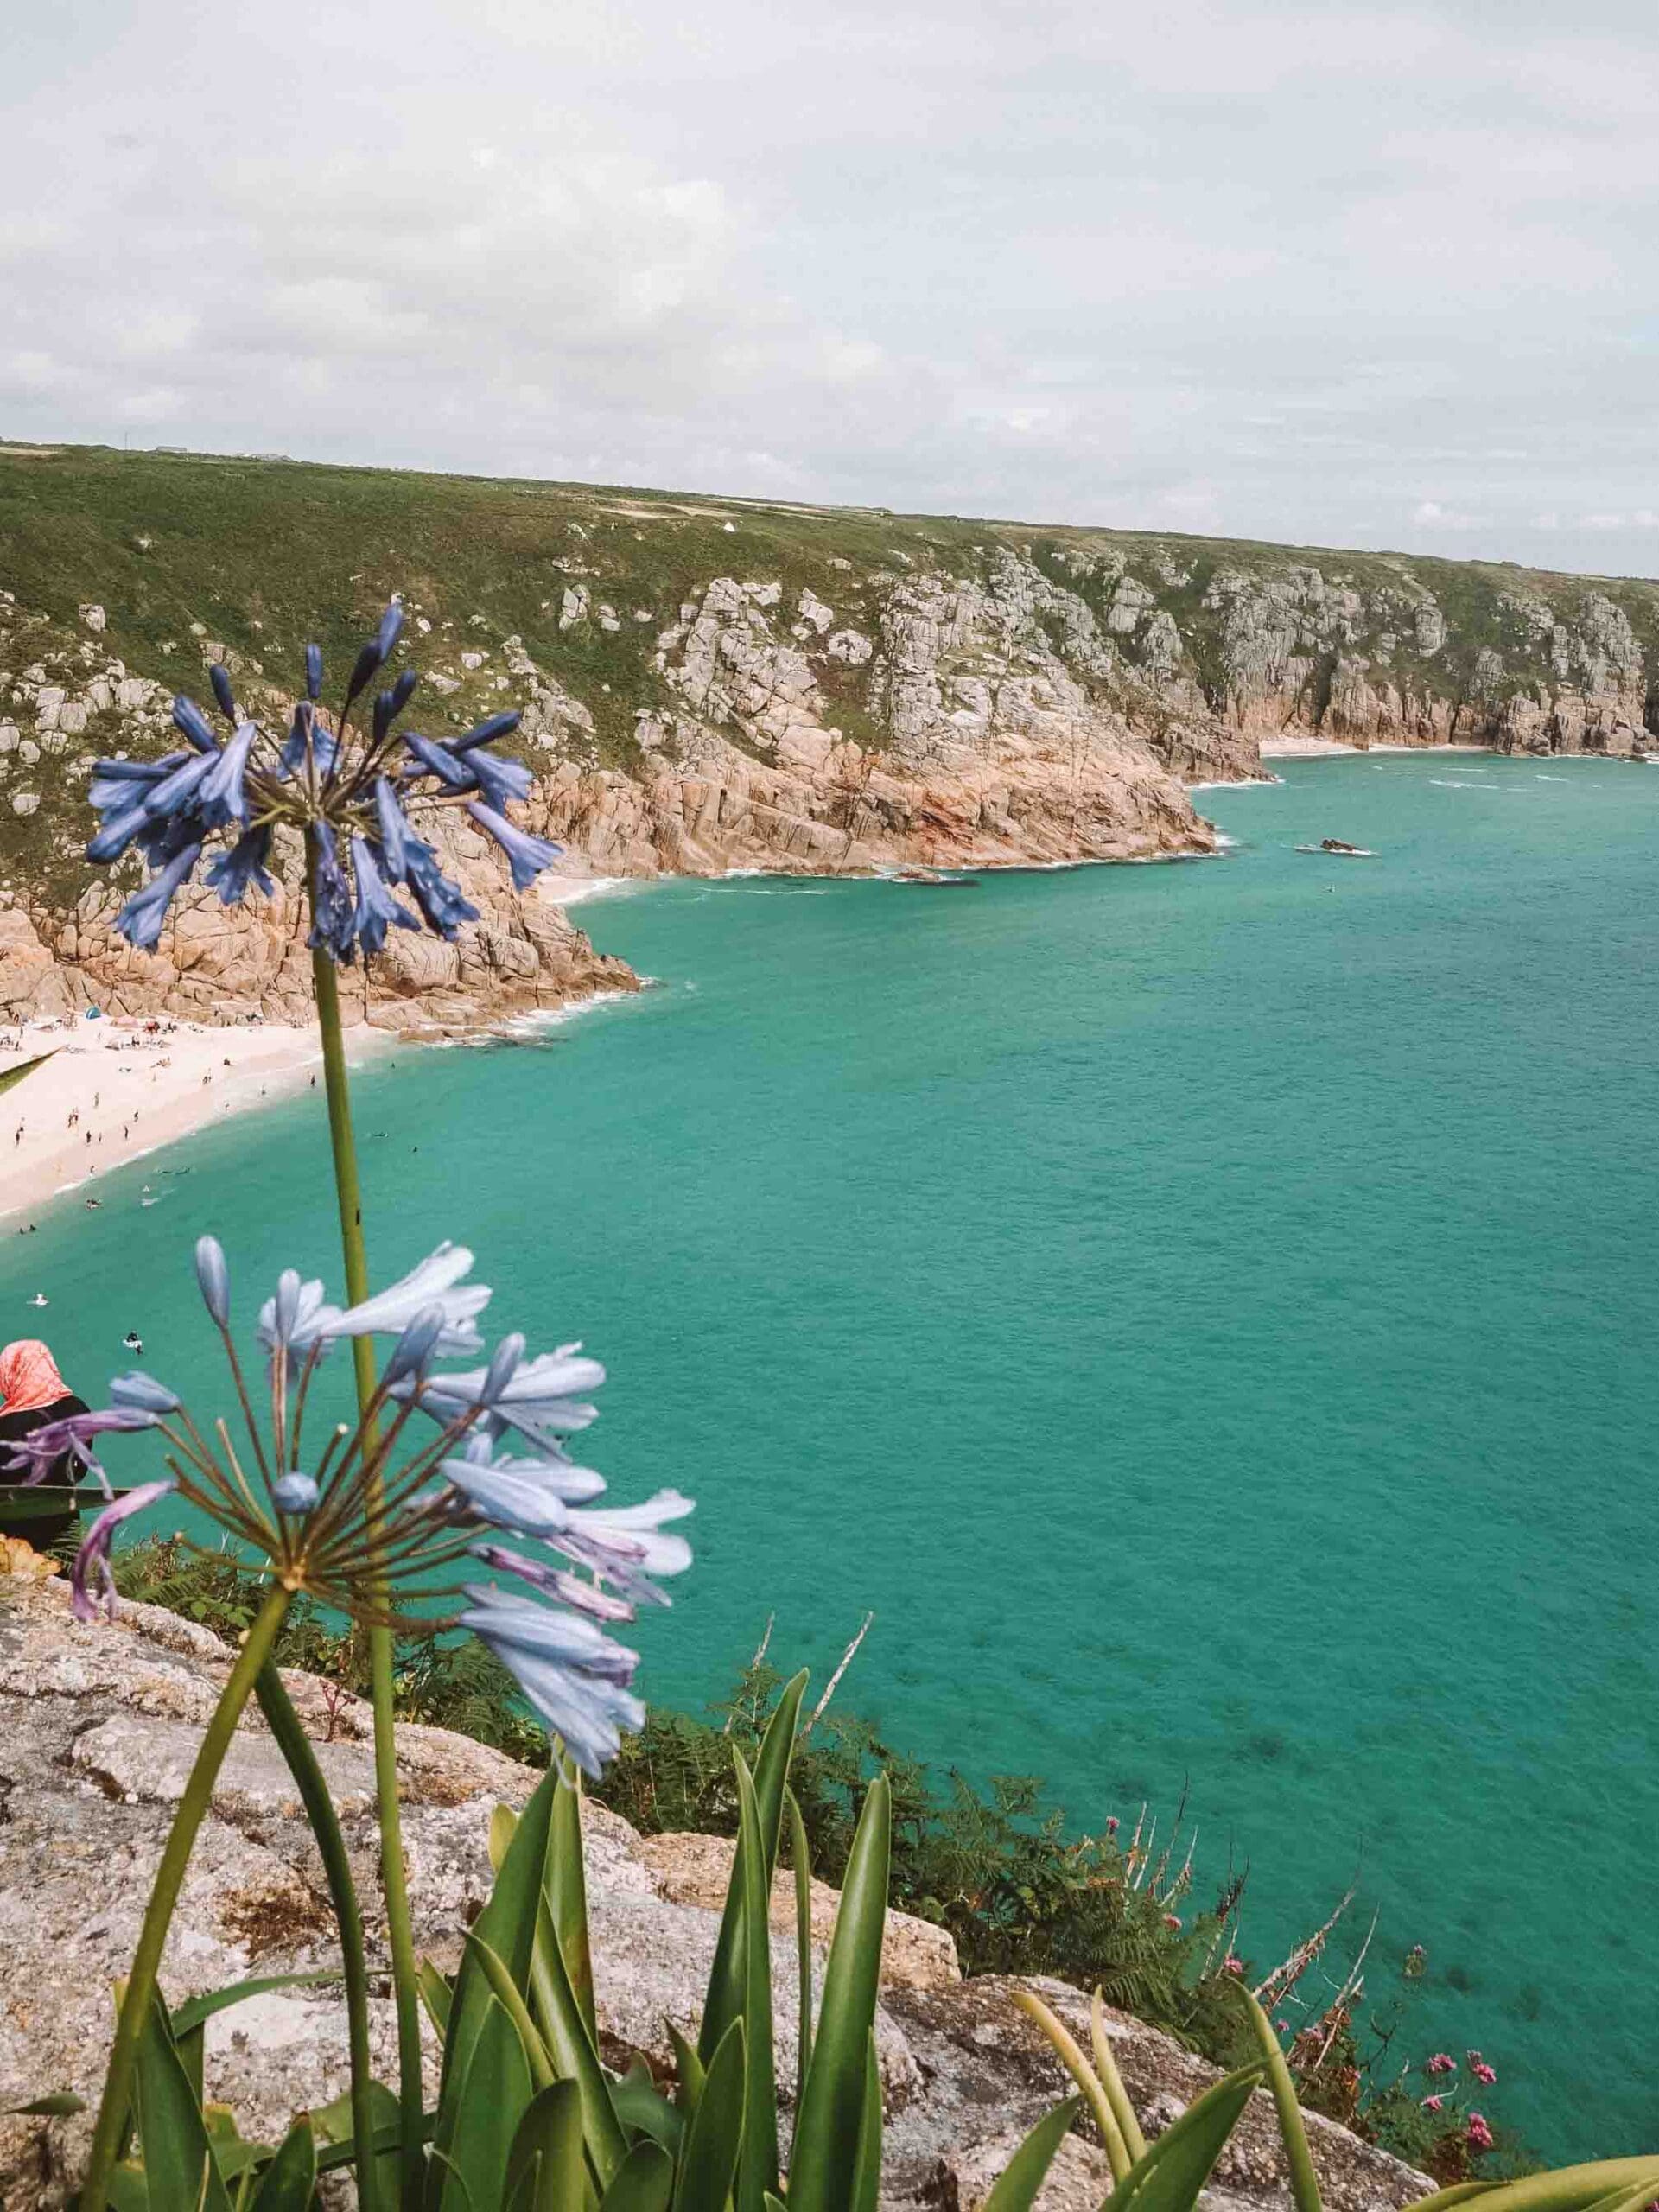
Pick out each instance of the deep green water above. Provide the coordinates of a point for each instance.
(1206, 1311)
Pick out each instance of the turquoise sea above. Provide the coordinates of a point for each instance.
(1206, 1311)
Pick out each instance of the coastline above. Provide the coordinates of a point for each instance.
(132, 1087)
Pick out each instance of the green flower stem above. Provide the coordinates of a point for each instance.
(400, 1935)
(296, 1747)
(164, 1896)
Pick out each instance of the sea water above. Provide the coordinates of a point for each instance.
(1205, 1311)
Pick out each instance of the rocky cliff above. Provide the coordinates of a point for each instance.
(712, 684)
(99, 1726)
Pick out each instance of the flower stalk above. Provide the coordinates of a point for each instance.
(164, 1896)
(400, 1933)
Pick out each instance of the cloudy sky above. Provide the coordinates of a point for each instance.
(1335, 274)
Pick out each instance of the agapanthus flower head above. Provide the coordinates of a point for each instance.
(371, 1517)
(348, 787)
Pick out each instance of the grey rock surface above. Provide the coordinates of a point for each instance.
(98, 1725)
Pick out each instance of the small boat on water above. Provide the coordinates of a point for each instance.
(1335, 849)
(931, 879)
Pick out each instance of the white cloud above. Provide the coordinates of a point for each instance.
(1204, 268)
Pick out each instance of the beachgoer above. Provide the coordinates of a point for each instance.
(35, 1393)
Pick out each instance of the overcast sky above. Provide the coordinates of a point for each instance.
(1334, 274)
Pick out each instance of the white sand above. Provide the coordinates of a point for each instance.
(1304, 749)
(571, 890)
(130, 1090)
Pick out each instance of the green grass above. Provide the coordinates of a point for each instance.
(181, 550)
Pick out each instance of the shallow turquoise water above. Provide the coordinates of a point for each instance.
(1203, 1310)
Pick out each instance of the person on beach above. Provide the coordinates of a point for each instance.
(35, 1393)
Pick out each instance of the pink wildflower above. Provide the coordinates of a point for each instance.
(1111, 1825)
(1480, 2136)
(1283, 2026)
(1232, 1963)
(1482, 2072)
(1172, 1920)
(1433, 2104)
(1442, 2062)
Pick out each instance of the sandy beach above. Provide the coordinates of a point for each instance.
(113, 1090)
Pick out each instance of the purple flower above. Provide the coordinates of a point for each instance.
(626, 1544)
(170, 794)
(222, 796)
(314, 673)
(555, 1582)
(377, 910)
(575, 1677)
(393, 826)
(113, 781)
(529, 1497)
(333, 918)
(503, 783)
(443, 903)
(220, 679)
(93, 1557)
(440, 761)
(188, 718)
(213, 1279)
(403, 690)
(142, 1393)
(243, 863)
(486, 733)
(40, 1451)
(527, 855)
(537, 1398)
(140, 920)
(294, 1493)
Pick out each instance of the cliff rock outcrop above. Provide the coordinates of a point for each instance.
(97, 1728)
(709, 684)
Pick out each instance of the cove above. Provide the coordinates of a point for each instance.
(1201, 1309)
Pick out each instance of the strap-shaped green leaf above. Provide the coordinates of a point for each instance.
(27, 1067)
(545, 2168)
(62, 2104)
(643, 2183)
(820, 2177)
(566, 1883)
(1015, 2188)
(180, 2175)
(867, 2166)
(1299, 2156)
(436, 1995)
(1569, 2188)
(801, 1861)
(289, 2181)
(479, 2114)
(504, 1991)
(708, 2159)
(643, 2109)
(1095, 2096)
(757, 2165)
(1171, 2176)
(688, 2070)
(574, 2054)
(724, 2000)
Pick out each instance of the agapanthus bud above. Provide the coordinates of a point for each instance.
(214, 1278)
(403, 689)
(391, 623)
(188, 717)
(503, 1366)
(143, 1394)
(415, 1347)
(384, 711)
(220, 679)
(314, 673)
(296, 1492)
(486, 732)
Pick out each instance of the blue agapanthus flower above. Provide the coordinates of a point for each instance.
(373, 1516)
(347, 786)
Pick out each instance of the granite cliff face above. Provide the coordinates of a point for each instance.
(99, 1726)
(709, 685)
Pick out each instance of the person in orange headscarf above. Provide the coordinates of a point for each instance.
(35, 1393)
